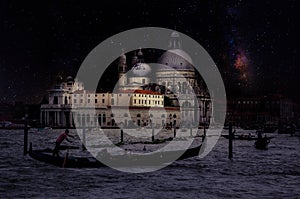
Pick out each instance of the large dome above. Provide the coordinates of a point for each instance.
(176, 59)
(141, 69)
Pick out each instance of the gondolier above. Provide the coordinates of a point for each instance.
(59, 140)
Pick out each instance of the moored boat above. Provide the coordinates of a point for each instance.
(262, 143)
(241, 137)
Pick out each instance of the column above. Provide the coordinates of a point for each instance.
(58, 118)
(63, 118)
(212, 111)
(55, 121)
(47, 117)
(41, 117)
(71, 118)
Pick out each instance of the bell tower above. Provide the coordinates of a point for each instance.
(122, 68)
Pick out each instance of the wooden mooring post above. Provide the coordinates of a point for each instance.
(152, 137)
(230, 141)
(122, 136)
(25, 136)
(83, 138)
(174, 131)
(204, 133)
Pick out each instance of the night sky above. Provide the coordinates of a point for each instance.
(252, 42)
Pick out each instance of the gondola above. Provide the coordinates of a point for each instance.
(262, 143)
(241, 137)
(244, 137)
(149, 159)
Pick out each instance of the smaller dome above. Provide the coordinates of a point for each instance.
(69, 78)
(175, 34)
(141, 69)
(123, 56)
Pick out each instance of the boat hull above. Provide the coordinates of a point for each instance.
(129, 160)
(262, 144)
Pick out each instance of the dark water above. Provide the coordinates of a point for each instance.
(274, 173)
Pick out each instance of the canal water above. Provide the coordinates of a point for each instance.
(273, 173)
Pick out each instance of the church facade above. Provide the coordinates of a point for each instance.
(165, 95)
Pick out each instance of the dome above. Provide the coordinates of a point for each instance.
(69, 78)
(176, 59)
(141, 69)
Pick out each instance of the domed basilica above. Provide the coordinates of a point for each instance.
(171, 88)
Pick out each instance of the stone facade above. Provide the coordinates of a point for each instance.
(137, 101)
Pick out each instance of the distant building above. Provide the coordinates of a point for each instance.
(6, 112)
(146, 101)
(61, 102)
(257, 111)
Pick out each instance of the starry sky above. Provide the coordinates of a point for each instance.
(252, 42)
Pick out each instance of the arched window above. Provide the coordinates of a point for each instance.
(83, 120)
(113, 123)
(184, 87)
(79, 119)
(100, 119)
(104, 118)
(138, 120)
(55, 100)
(88, 119)
(95, 119)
